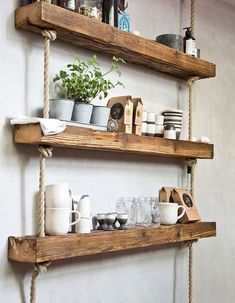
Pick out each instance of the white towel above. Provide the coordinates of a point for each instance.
(48, 126)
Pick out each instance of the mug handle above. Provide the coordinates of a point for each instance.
(183, 212)
(78, 219)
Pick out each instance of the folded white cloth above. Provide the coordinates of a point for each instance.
(48, 126)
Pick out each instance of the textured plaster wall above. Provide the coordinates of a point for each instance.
(156, 275)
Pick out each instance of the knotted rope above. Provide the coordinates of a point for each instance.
(48, 37)
(45, 152)
(38, 269)
(191, 163)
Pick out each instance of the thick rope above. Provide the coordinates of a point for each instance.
(191, 162)
(193, 17)
(48, 37)
(190, 85)
(38, 269)
(190, 269)
(45, 152)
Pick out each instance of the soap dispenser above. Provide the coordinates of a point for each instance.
(189, 42)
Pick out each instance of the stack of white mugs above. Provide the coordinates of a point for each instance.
(60, 207)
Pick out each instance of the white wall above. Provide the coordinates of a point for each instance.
(156, 275)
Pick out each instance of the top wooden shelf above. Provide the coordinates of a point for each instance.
(97, 36)
(83, 138)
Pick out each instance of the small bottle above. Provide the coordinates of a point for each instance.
(189, 42)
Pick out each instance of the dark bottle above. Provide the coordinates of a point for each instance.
(189, 42)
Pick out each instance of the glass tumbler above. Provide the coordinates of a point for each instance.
(91, 8)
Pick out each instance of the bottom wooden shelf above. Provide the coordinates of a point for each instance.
(32, 249)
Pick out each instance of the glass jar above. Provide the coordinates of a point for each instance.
(127, 205)
(91, 8)
(72, 5)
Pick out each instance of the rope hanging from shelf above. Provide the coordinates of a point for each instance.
(45, 152)
(38, 269)
(191, 162)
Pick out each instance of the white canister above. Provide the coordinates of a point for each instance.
(144, 128)
(151, 117)
(151, 129)
(144, 116)
(159, 119)
(159, 130)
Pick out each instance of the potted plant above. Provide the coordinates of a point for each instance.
(84, 81)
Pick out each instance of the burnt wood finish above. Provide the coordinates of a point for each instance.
(83, 138)
(97, 36)
(32, 249)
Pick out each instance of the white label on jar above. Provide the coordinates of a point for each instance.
(71, 4)
(191, 47)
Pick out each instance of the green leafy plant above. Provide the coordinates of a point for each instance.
(84, 80)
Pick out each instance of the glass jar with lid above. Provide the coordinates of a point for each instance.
(91, 8)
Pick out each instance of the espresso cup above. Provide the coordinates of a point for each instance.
(58, 220)
(169, 213)
(58, 196)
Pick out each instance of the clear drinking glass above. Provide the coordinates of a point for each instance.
(127, 205)
(91, 8)
(155, 211)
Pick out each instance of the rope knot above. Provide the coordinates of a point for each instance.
(41, 268)
(46, 151)
(191, 80)
(191, 162)
(49, 34)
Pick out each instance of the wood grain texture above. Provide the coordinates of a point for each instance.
(97, 36)
(83, 138)
(34, 250)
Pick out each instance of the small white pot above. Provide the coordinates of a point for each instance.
(100, 115)
(82, 112)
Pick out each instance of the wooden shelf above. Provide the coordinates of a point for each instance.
(35, 250)
(97, 36)
(83, 138)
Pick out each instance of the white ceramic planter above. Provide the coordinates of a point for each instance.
(100, 115)
(61, 109)
(82, 112)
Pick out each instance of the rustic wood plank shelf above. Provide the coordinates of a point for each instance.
(83, 138)
(97, 36)
(35, 250)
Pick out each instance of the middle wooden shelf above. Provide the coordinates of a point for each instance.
(83, 138)
(32, 249)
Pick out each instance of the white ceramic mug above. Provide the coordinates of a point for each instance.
(58, 220)
(58, 196)
(169, 213)
(83, 226)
